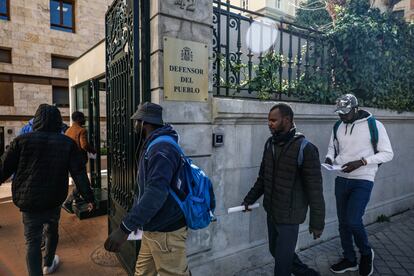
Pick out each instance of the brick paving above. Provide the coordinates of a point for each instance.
(81, 252)
(80, 245)
(393, 243)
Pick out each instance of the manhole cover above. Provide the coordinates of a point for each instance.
(104, 258)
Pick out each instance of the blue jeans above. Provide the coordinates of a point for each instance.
(282, 244)
(352, 197)
(35, 224)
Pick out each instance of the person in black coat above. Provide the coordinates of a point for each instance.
(41, 161)
(290, 186)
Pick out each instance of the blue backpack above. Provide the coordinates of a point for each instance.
(199, 202)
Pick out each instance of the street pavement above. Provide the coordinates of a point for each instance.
(81, 246)
(393, 243)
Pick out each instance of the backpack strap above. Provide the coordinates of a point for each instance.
(170, 140)
(269, 144)
(335, 137)
(303, 144)
(373, 131)
(167, 139)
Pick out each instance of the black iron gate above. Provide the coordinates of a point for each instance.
(125, 80)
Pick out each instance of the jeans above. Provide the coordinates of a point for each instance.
(36, 223)
(352, 196)
(282, 244)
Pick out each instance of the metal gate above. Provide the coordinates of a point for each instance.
(126, 43)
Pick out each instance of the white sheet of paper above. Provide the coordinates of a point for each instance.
(91, 155)
(241, 208)
(136, 235)
(332, 167)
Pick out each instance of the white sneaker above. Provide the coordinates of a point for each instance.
(53, 267)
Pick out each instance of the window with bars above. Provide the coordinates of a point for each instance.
(5, 9)
(62, 16)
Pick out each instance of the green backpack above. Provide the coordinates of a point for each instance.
(373, 131)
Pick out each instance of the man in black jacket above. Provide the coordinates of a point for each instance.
(289, 186)
(40, 161)
(155, 211)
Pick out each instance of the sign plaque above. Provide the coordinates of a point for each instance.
(185, 70)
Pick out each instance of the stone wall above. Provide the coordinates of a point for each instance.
(33, 42)
(238, 241)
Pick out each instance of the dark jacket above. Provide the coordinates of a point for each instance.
(154, 208)
(289, 190)
(41, 161)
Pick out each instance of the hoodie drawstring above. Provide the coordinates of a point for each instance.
(352, 128)
(346, 129)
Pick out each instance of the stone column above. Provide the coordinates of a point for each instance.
(189, 20)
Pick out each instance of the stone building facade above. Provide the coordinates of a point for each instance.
(38, 39)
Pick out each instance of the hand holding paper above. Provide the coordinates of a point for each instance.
(135, 235)
(242, 208)
(332, 167)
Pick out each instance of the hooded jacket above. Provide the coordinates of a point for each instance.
(289, 190)
(154, 208)
(354, 143)
(41, 161)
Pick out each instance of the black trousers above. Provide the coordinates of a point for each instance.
(36, 223)
(282, 244)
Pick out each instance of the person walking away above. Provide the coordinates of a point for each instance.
(41, 161)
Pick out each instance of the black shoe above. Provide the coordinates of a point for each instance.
(366, 264)
(344, 265)
(67, 206)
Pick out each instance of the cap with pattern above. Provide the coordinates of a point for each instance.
(345, 103)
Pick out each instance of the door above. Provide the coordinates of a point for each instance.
(125, 44)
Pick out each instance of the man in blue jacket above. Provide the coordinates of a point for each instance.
(163, 249)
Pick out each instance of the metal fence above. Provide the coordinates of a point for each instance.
(252, 52)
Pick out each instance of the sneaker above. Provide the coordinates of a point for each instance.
(53, 267)
(366, 264)
(344, 265)
(67, 206)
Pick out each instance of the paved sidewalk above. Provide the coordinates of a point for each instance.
(80, 245)
(393, 243)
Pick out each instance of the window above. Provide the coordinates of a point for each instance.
(82, 96)
(5, 9)
(277, 4)
(6, 93)
(5, 55)
(61, 62)
(60, 96)
(245, 4)
(62, 17)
